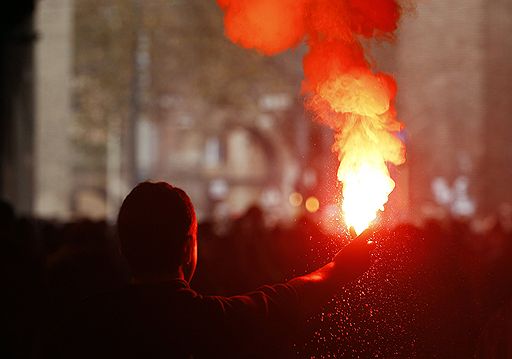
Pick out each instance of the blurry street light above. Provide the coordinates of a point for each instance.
(312, 204)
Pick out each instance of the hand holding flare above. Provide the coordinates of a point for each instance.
(355, 258)
(349, 264)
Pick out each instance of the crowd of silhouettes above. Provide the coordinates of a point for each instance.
(436, 290)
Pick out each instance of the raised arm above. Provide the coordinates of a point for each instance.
(281, 305)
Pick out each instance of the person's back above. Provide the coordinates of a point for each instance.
(171, 320)
(159, 315)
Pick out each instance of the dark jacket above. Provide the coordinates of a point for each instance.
(173, 321)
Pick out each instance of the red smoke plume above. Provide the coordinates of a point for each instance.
(342, 90)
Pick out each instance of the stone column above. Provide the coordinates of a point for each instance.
(54, 55)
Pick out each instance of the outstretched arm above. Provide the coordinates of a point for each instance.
(272, 311)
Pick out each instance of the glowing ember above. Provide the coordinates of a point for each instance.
(342, 90)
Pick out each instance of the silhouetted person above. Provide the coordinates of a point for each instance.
(158, 315)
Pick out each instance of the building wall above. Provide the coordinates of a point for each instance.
(496, 166)
(441, 74)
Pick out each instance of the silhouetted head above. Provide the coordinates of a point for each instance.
(157, 228)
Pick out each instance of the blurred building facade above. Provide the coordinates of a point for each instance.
(180, 103)
(451, 65)
(153, 90)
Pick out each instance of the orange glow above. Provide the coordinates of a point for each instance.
(268, 26)
(295, 199)
(342, 90)
(365, 191)
(365, 143)
(359, 105)
(312, 204)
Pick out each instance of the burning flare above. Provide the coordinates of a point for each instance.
(342, 90)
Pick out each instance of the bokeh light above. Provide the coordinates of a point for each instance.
(295, 199)
(312, 204)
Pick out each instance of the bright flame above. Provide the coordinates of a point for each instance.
(365, 191)
(365, 142)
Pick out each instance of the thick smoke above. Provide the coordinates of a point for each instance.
(341, 89)
(269, 26)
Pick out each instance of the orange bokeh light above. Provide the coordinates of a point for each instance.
(312, 204)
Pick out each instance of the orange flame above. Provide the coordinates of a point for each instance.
(365, 142)
(343, 92)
